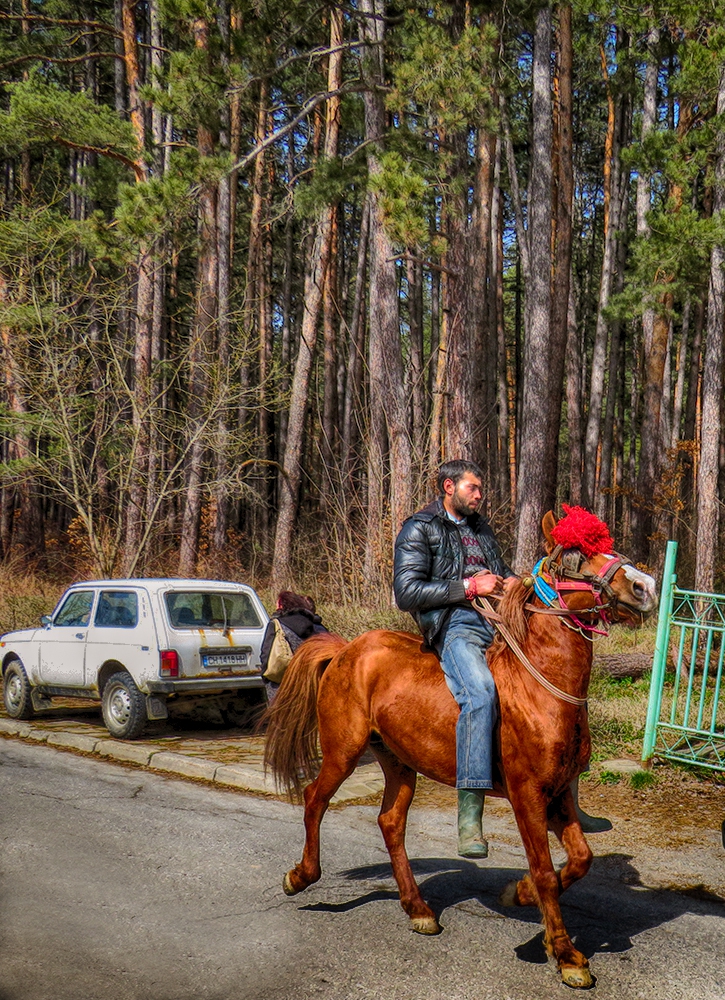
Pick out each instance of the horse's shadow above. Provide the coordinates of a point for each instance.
(603, 912)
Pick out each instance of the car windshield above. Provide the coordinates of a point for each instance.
(202, 609)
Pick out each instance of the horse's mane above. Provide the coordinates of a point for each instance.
(516, 619)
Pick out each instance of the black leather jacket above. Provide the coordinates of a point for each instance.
(428, 570)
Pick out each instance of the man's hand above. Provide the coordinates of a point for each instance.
(487, 583)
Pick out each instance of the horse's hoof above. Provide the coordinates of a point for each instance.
(425, 925)
(508, 896)
(288, 886)
(577, 977)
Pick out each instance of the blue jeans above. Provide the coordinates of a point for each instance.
(462, 648)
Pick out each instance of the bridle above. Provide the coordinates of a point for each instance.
(558, 573)
(561, 572)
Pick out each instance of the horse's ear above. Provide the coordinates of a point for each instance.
(548, 523)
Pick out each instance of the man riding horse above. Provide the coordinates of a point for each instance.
(385, 692)
(446, 555)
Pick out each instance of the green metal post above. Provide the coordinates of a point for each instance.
(659, 665)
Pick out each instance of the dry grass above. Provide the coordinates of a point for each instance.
(25, 596)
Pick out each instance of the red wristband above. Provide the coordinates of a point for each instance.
(470, 587)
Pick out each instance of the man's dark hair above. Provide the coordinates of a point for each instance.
(289, 601)
(456, 470)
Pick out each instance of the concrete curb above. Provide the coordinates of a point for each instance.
(187, 767)
(132, 753)
(244, 777)
(367, 779)
(75, 740)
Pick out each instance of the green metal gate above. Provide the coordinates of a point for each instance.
(686, 711)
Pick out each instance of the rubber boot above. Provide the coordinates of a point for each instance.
(471, 842)
(589, 824)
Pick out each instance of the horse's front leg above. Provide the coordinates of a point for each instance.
(542, 887)
(564, 822)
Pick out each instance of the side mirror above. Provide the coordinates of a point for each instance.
(46, 620)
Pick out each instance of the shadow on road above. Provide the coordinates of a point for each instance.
(603, 912)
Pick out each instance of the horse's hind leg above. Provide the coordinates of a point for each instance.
(399, 790)
(339, 758)
(542, 887)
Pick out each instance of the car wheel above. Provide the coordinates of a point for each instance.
(16, 691)
(124, 707)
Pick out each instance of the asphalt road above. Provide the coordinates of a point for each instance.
(117, 883)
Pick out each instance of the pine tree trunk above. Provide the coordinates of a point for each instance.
(615, 199)
(532, 467)
(205, 316)
(712, 388)
(330, 424)
(504, 495)
(143, 317)
(387, 384)
(564, 197)
(417, 370)
(356, 345)
(574, 400)
(282, 572)
(26, 529)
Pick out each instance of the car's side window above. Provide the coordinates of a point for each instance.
(117, 609)
(76, 609)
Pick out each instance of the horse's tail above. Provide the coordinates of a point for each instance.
(291, 750)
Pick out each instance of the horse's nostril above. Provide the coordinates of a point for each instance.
(638, 590)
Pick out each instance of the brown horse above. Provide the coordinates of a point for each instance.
(387, 692)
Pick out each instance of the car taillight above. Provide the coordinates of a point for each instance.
(169, 663)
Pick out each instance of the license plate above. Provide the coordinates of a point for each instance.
(224, 660)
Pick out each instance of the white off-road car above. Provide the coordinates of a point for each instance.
(138, 646)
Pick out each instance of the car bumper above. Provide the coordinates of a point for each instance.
(204, 685)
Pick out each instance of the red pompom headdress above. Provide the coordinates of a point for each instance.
(580, 529)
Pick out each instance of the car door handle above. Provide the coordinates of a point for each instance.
(80, 635)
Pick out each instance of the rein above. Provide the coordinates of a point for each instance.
(484, 608)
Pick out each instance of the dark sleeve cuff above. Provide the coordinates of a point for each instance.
(456, 592)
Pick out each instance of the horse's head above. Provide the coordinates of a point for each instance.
(605, 583)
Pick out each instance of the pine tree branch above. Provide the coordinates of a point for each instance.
(102, 151)
(66, 61)
(65, 22)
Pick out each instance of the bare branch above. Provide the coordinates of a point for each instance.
(425, 263)
(294, 122)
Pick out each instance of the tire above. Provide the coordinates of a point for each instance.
(123, 706)
(16, 691)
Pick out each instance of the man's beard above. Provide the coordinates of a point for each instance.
(460, 506)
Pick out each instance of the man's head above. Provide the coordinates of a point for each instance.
(460, 484)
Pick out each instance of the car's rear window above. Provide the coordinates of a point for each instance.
(117, 609)
(201, 609)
